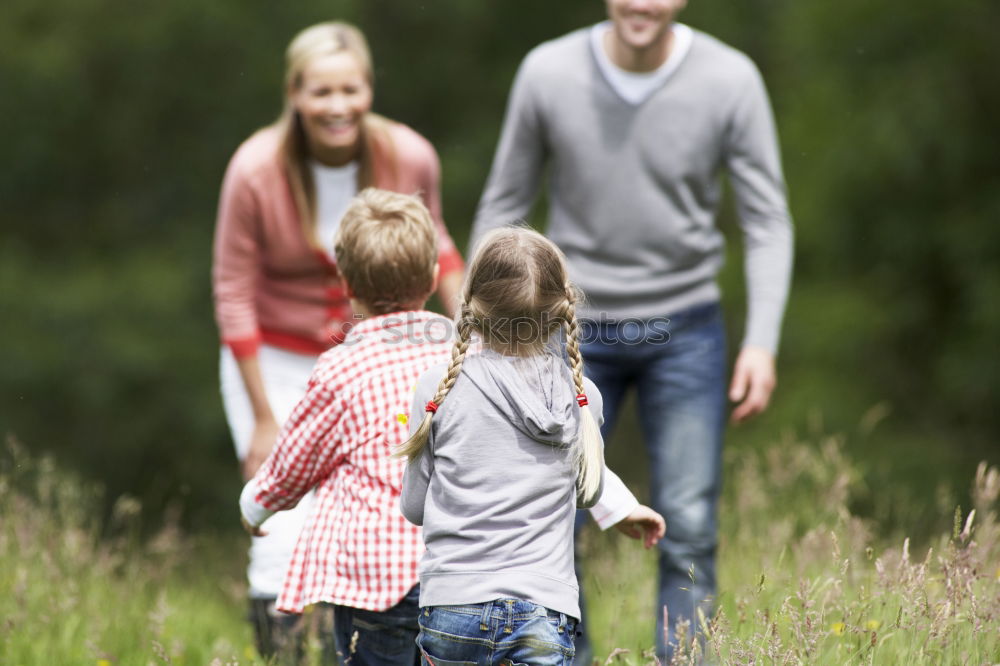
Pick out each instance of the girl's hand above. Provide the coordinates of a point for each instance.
(643, 523)
(251, 530)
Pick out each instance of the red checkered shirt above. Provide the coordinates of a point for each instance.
(356, 548)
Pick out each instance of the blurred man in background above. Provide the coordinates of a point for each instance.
(636, 118)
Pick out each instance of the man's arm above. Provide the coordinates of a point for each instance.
(754, 163)
(517, 165)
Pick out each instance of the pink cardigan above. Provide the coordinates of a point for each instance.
(270, 285)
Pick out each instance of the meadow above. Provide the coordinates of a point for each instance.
(803, 579)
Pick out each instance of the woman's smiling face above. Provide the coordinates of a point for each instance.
(331, 99)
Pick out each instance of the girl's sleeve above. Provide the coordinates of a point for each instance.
(311, 444)
(615, 501)
(417, 476)
(236, 261)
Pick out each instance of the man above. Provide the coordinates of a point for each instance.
(636, 118)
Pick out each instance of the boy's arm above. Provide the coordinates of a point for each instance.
(307, 452)
(252, 513)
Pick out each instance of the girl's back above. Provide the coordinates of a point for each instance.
(495, 487)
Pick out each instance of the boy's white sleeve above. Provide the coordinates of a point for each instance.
(253, 511)
(615, 503)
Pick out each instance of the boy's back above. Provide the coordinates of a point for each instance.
(356, 549)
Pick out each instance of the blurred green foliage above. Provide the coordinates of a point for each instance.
(120, 119)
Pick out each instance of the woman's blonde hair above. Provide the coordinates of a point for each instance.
(315, 42)
(516, 295)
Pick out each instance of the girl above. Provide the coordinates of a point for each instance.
(508, 448)
(278, 299)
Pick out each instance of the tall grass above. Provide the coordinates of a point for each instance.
(802, 579)
(74, 592)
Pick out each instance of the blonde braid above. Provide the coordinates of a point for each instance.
(573, 341)
(465, 325)
(589, 450)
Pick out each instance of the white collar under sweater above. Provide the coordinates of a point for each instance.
(636, 87)
(335, 188)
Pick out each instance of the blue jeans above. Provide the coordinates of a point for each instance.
(678, 367)
(383, 637)
(502, 632)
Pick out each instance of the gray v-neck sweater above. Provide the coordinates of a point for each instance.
(634, 189)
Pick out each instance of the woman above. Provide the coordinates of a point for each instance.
(278, 298)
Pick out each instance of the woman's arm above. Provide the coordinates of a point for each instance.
(236, 261)
(452, 267)
(450, 291)
(265, 428)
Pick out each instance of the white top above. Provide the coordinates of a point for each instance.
(635, 87)
(335, 187)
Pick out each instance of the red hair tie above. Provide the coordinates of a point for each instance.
(582, 400)
(431, 407)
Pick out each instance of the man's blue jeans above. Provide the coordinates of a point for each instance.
(505, 631)
(378, 638)
(678, 367)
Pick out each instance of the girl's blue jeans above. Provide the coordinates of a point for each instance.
(505, 632)
(678, 368)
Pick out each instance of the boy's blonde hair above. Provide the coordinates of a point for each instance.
(386, 250)
(517, 294)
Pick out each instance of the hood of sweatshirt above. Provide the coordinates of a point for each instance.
(535, 392)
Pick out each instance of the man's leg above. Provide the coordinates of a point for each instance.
(681, 396)
(605, 366)
(379, 638)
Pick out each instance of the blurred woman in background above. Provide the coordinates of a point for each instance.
(279, 302)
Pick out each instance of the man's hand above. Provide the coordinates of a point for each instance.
(753, 381)
(643, 523)
(265, 433)
(251, 530)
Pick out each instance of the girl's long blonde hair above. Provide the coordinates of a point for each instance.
(314, 42)
(517, 284)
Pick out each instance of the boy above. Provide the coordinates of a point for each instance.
(357, 551)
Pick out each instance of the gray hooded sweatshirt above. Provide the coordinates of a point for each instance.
(495, 488)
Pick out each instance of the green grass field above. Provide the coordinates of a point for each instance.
(802, 580)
